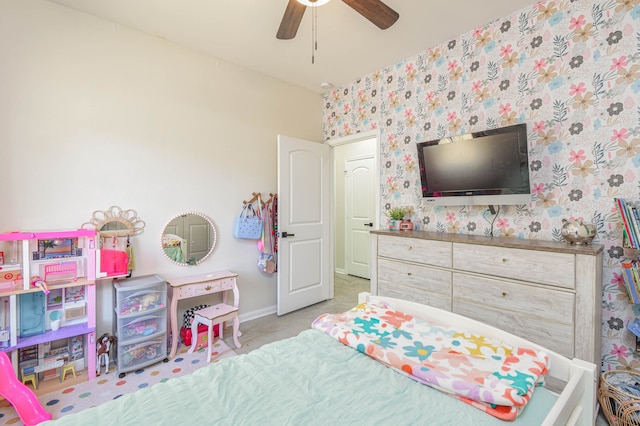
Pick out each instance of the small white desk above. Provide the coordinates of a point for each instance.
(194, 286)
(48, 366)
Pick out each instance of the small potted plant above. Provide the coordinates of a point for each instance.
(395, 214)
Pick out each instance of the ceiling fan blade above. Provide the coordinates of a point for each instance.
(375, 11)
(291, 20)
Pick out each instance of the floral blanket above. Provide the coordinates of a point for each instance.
(492, 376)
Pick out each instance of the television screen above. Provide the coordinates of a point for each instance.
(489, 167)
(61, 247)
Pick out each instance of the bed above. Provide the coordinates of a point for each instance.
(314, 379)
(175, 247)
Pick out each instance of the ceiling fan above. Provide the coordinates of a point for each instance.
(374, 10)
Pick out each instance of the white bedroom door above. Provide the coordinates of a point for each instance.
(360, 214)
(304, 224)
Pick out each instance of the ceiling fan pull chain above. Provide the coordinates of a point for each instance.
(314, 32)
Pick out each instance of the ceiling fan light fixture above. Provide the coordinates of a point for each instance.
(313, 3)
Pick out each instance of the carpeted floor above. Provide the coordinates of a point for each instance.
(109, 386)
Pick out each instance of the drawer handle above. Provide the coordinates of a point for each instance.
(504, 293)
(409, 273)
(504, 260)
(409, 248)
(208, 288)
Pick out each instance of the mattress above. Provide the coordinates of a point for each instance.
(309, 379)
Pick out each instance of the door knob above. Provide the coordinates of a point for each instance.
(286, 234)
(368, 224)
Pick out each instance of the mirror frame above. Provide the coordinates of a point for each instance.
(129, 218)
(214, 239)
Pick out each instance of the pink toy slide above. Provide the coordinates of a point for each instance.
(20, 396)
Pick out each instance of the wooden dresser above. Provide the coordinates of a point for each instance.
(548, 292)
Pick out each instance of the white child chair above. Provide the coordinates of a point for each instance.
(212, 315)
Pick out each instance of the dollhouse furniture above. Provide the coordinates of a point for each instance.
(30, 376)
(32, 312)
(68, 367)
(22, 398)
(200, 285)
(58, 363)
(71, 291)
(140, 320)
(294, 381)
(212, 315)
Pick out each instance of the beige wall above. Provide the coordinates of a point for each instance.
(94, 114)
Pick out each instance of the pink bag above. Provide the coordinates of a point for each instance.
(114, 262)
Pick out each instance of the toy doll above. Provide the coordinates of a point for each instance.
(40, 283)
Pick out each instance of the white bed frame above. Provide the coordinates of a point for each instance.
(576, 403)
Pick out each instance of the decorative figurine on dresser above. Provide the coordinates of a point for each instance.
(140, 322)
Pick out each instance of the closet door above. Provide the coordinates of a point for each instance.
(360, 214)
(198, 236)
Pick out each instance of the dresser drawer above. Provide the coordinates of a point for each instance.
(141, 353)
(414, 282)
(544, 267)
(544, 316)
(139, 327)
(137, 295)
(429, 252)
(227, 283)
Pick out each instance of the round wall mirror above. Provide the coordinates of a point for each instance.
(188, 239)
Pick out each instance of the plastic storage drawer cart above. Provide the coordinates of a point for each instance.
(140, 322)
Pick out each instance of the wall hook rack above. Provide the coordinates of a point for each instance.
(254, 198)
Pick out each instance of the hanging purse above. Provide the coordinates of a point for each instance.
(249, 224)
(267, 261)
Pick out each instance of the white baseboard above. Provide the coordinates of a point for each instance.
(248, 316)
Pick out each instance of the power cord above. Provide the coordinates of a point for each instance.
(492, 210)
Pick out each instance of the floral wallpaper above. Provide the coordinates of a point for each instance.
(568, 69)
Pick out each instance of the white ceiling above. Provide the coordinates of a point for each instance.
(349, 46)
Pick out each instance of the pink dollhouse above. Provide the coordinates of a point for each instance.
(39, 331)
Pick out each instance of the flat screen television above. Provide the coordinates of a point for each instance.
(490, 167)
